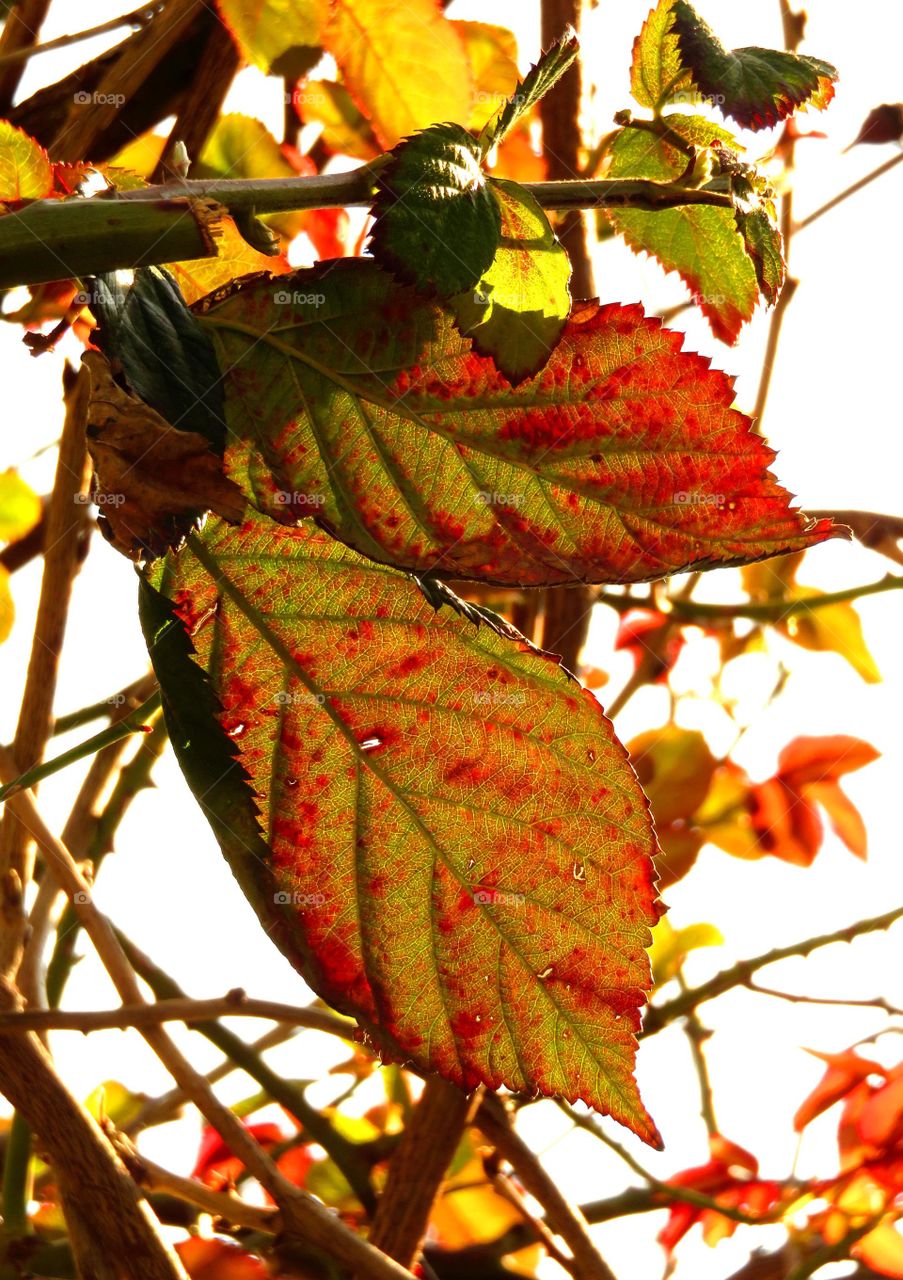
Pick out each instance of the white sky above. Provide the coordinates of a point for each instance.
(834, 413)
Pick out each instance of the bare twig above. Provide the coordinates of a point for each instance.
(739, 975)
(17, 41)
(66, 518)
(849, 191)
(303, 1216)
(233, 1005)
(563, 1218)
(137, 18)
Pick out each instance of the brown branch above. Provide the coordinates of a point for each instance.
(202, 103)
(222, 1205)
(16, 43)
(877, 1002)
(137, 18)
(66, 519)
(849, 191)
(563, 1218)
(697, 1035)
(739, 975)
(112, 1232)
(303, 1216)
(233, 1005)
(418, 1167)
(86, 120)
(878, 532)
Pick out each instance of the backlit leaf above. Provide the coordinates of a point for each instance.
(437, 222)
(25, 171)
(7, 608)
(844, 1071)
(345, 129)
(670, 946)
(241, 147)
(836, 628)
(703, 244)
(235, 257)
(621, 461)
(276, 35)
(404, 65)
(552, 64)
(765, 247)
(756, 87)
(492, 54)
(20, 507)
(656, 73)
(517, 311)
(433, 820)
(819, 759)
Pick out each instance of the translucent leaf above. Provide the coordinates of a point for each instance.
(432, 819)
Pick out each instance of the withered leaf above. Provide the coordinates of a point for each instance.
(152, 482)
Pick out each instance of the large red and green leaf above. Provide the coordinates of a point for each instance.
(432, 818)
(622, 460)
(702, 243)
(404, 65)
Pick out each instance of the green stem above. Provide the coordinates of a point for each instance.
(76, 237)
(17, 1179)
(135, 722)
(349, 1160)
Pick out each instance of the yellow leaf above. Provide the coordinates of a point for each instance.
(25, 171)
(492, 54)
(882, 1250)
(470, 1211)
(836, 629)
(381, 49)
(268, 30)
(344, 128)
(235, 258)
(20, 507)
(670, 946)
(7, 609)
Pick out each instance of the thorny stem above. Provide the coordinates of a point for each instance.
(738, 975)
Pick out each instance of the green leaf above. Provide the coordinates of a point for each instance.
(281, 36)
(242, 147)
(437, 223)
(518, 309)
(765, 247)
(656, 73)
(165, 354)
(701, 243)
(756, 87)
(403, 64)
(449, 843)
(363, 406)
(536, 84)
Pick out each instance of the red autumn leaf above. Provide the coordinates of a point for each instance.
(642, 632)
(845, 1071)
(880, 1121)
(622, 460)
(730, 1177)
(219, 1260)
(823, 759)
(882, 124)
(785, 823)
(457, 852)
(217, 1167)
(846, 820)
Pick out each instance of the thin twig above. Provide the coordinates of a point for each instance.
(303, 1216)
(563, 1218)
(738, 975)
(849, 191)
(233, 1005)
(137, 18)
(877, 1002)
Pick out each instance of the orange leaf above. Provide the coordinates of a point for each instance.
(882, 1250)
(881, 1119)
(819, 759)
(844, 1071)
(845, 818)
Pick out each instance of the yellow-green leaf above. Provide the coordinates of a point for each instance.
(25, 171)
(492, 54)
(275, 34)
(670, 946)
(405, 65)
(20, 507)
